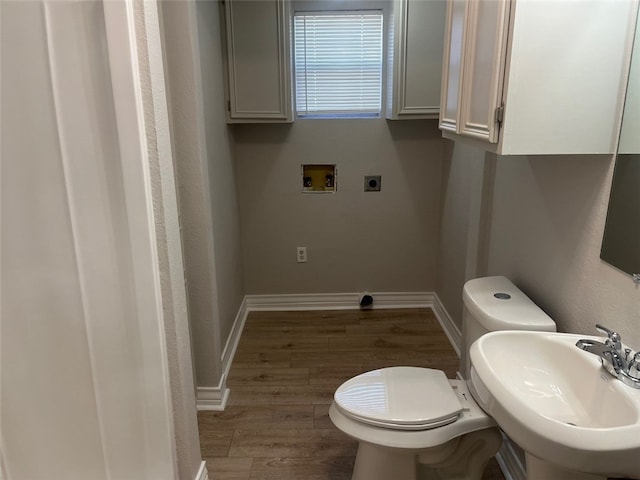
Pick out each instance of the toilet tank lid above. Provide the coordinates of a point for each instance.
(499, 305)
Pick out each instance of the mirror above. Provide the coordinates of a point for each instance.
(622, 230)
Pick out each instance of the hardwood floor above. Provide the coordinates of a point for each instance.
(286, 368)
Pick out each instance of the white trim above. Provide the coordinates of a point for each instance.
(336, 301)
(202, 474)
(234, 337)
(131, 95)
(213, 398)
(295, 302)
(446, 322)
(509, 462)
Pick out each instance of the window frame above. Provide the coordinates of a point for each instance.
(344, 6)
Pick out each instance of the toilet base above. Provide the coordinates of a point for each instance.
(462, 458)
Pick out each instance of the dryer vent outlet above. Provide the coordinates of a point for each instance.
(366, 302)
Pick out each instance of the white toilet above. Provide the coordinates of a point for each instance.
(413, 423)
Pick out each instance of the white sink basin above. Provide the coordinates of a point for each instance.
(557, 402)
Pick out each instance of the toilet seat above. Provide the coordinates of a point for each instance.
(471, 419)
(399, 398)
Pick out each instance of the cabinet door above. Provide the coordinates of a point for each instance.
(418, 39)
(258, 60)
(484, 55)
(473, 71)
(453, 65)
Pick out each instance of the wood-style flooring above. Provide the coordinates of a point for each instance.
(286, 368)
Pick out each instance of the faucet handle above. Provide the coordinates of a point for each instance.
(635, 362)
(614, 337)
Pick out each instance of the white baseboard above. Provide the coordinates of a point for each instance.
(213, 398)
(509, 462)
(336, 301)
(234, 337)
(446, 322)
(320, 301)
(202, 472)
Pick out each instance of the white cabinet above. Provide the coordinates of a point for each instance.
(629, 132)
(532, 77)
(258, 61)
(415, 58)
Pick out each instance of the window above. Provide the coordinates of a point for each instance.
(338, 63)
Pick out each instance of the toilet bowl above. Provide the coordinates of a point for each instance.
(414, 423)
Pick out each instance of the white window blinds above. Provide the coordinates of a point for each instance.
(338, 63)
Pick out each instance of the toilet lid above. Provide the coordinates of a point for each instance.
(403, 398)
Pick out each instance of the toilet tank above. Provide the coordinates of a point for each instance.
(492, 304)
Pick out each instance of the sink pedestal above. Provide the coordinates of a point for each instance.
(540, 470)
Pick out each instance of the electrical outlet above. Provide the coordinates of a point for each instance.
(302, 254)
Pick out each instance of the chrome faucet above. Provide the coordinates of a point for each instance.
(620, 362)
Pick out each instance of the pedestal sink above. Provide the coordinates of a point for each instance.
(573, 419)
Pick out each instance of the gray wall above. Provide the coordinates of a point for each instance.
(460, 170)
(547, 223)
(356, 241)
(222, 170)
(543, 230)
(447, 212)
(203, 154)
(169, 244)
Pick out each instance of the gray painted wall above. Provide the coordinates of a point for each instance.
(457, 180)
(547, 225)
(205, 173)
(189, 153)
(169, 243)
(222, 170)
(356, 241)
(447, 212)
(546, 217)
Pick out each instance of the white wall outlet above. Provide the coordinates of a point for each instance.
(302, 254)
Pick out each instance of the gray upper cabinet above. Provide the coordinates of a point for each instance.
(415, 58)
(258, 61)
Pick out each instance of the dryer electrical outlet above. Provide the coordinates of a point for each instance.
(372, 183)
